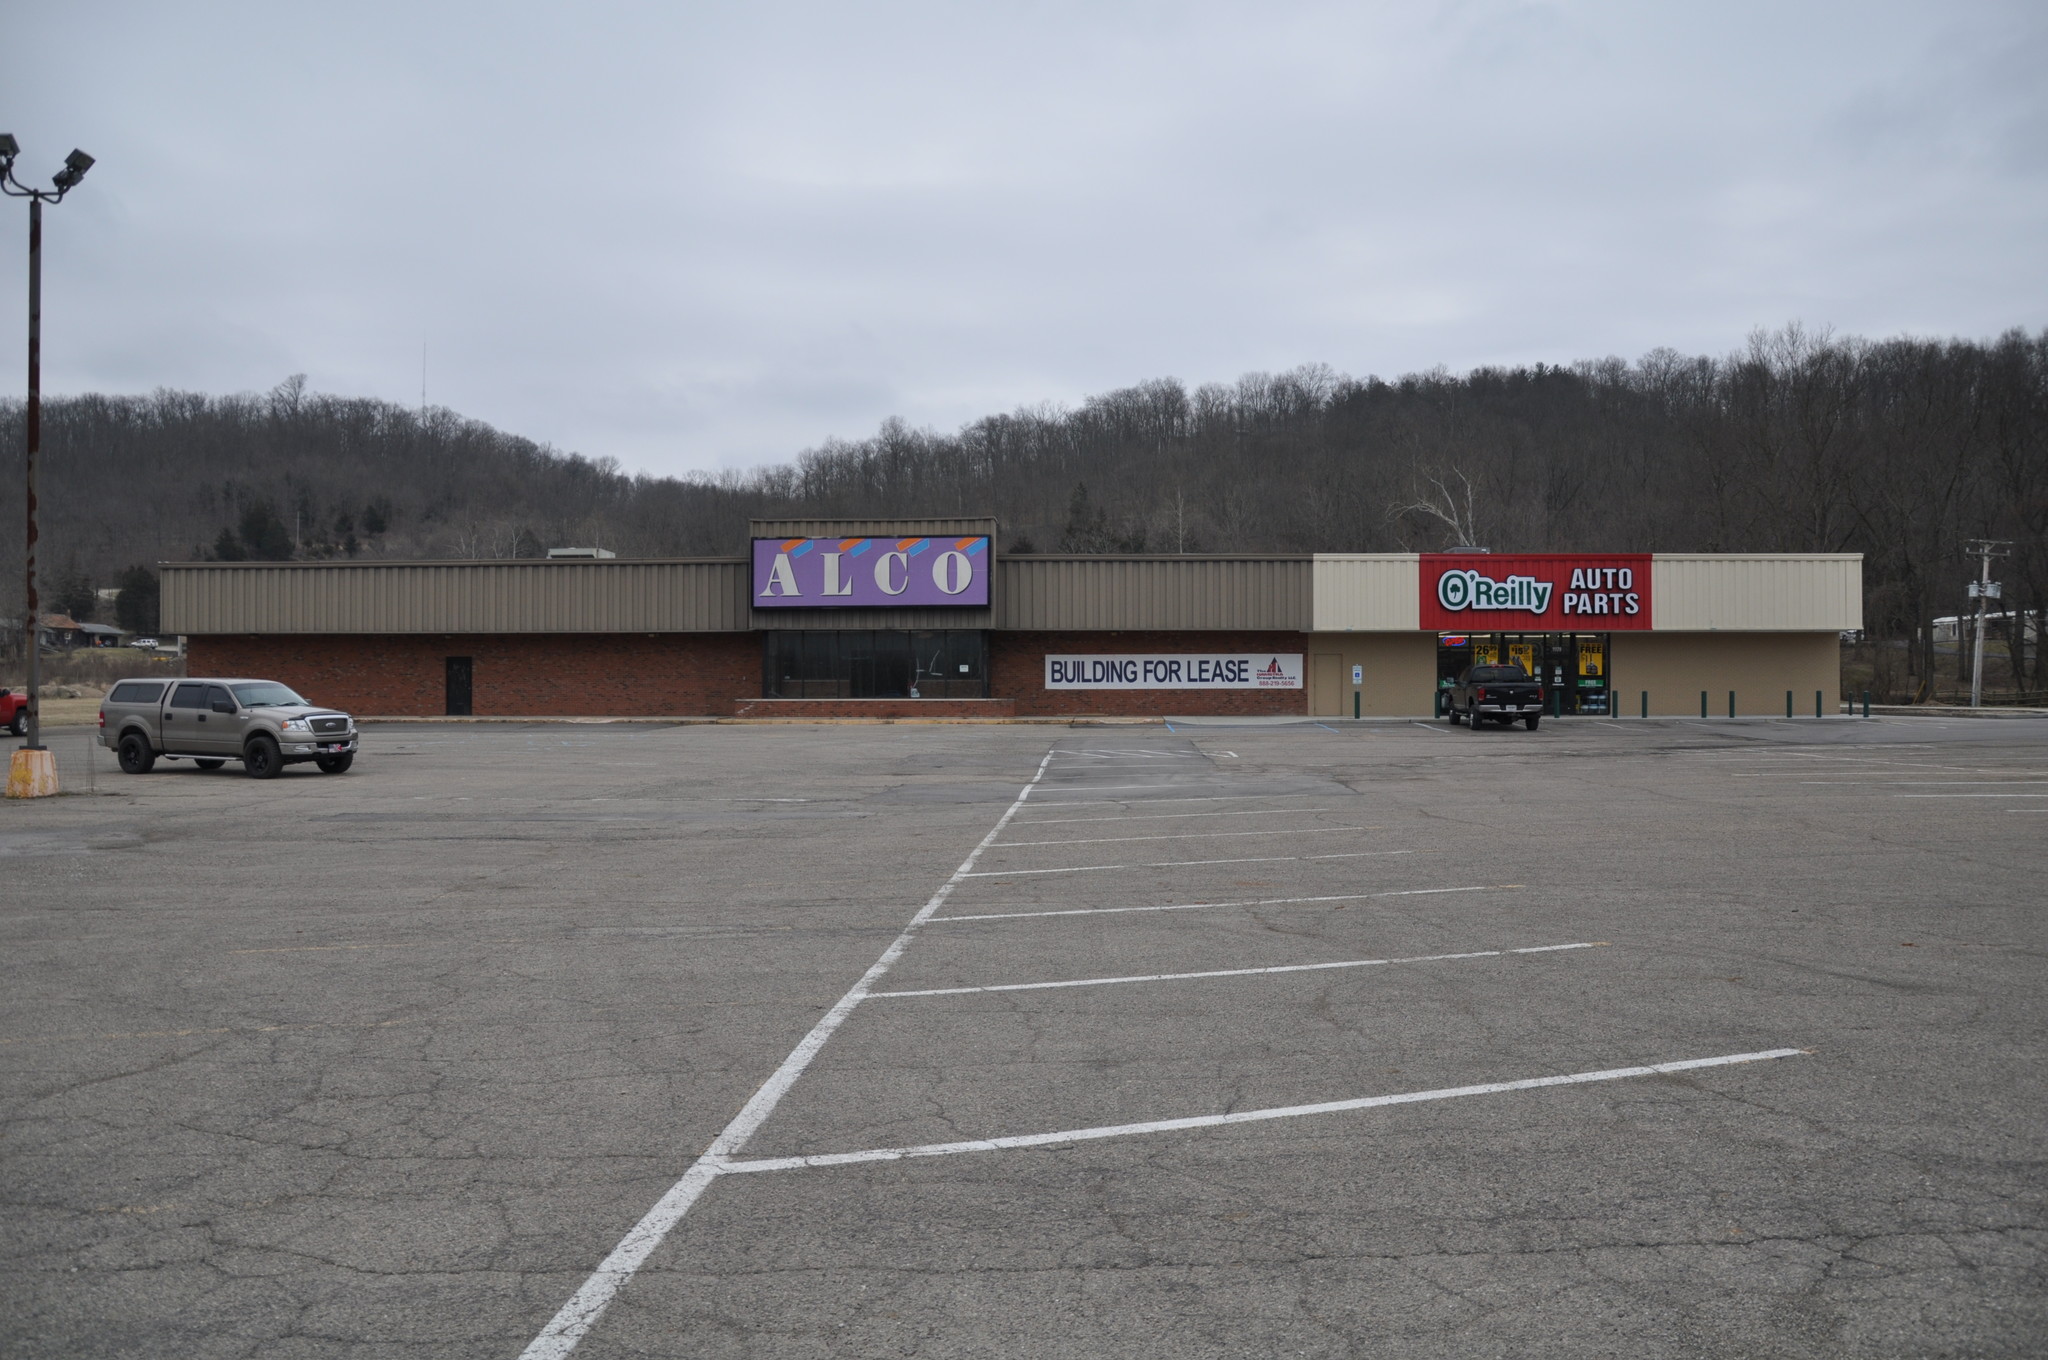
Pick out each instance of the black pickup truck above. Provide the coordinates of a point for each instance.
(1503, 693)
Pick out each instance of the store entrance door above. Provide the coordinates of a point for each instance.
(1571, 667)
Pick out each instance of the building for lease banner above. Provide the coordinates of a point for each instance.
(926, 617)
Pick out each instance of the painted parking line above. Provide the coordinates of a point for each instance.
(1251, 902)
(1207, 1121)
(1242, 972)
(575, 1318)
(1203, 798)
(1179, 863)
(1168, 816)
(1970, 795)
(1078, 787)
(1195, 836)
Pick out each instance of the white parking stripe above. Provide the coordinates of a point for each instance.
(1193, 836)
(1168, 816)
(1078, 786)
(1177, 863)
(1238, 972)
(1206, 906)
(1204, 798)
(587, 1304)
(1206, 1121)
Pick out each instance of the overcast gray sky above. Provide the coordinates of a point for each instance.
(711, 235)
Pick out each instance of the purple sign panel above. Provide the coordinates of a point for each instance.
(870, 573)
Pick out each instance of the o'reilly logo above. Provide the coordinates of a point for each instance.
(1467, 589)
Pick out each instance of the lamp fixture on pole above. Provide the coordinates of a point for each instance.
(34, 773)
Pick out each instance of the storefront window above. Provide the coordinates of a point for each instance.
(1570, 666)
(875, 664)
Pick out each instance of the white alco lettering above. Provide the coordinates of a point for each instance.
(884, 575)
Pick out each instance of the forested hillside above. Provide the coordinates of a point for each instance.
(1900, 449)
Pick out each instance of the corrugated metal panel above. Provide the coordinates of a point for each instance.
(1368, 592)
(772, 619)
(880, 528)
(695, 596)
(1759, 593)
(1092, 593)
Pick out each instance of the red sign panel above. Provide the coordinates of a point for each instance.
(1535, 592)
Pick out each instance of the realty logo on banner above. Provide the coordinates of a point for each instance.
(1535, 592)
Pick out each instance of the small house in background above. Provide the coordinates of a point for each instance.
(62, 633)
(101, 635)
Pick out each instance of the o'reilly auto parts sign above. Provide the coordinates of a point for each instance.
(1535, 592)
(1261, 670)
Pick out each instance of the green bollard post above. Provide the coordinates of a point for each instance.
(1731, 703)
(1816, 703)
(1646, 703)
(1788, 703)
(1355, 703)
(1703, 705)
(1866, 703)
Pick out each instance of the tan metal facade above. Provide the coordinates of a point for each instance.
(1116, 594)
(686, 596)
(1690, 592)
(1331, 593)
(1368, 592)
(1762, 593)
(962, 526)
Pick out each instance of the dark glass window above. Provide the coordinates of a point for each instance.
(875, 664)
(189, 696)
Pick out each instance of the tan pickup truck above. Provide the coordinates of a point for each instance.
(261, 723)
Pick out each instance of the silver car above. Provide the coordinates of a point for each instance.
(261, 723)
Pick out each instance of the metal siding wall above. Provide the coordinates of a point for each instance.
(1091, 594)
(960, 526)
(465, 597)
(1368, 593)
(774, 620)
(1775, 592)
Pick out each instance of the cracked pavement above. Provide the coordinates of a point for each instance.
(384, 1064)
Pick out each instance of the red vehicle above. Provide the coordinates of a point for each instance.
(13, 712)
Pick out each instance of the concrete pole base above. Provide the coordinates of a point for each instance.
(32, 774)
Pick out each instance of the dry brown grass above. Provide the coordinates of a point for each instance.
(91, 668)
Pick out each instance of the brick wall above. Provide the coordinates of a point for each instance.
(514, 675)
(686, 674)
(1017, 671)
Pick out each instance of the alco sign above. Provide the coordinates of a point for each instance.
(870, 573)
(1535, 592)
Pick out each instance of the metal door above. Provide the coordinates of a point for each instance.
(221, 723)
(183, 734)
(459, 677)
(1328, 681)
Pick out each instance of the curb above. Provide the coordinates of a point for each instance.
(1077, 721)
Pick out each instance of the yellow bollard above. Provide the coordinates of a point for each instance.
(32, 774)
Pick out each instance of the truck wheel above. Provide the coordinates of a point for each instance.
(209, 764)
(18, 725)
(260, 758)
(135, 755)
(1472, 716)
(1451, 715)
(1531, 721)
(336, 764)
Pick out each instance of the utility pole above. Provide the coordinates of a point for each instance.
(1986, 590)
(32, 773)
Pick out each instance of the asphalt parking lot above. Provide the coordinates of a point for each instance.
(1611, 1039)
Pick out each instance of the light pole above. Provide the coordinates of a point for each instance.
(65, 180)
